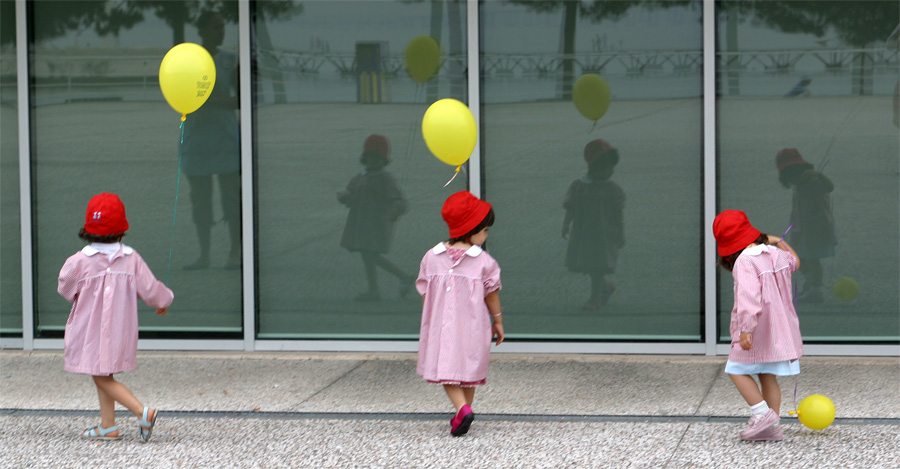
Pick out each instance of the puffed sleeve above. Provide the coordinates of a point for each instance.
(491, 276)
(69, 276)
(747, 295)
(152, 291)
(421, 280)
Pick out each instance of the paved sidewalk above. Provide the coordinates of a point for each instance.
(371, 410)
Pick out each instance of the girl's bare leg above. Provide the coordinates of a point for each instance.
(771, 391)
(107, 410)
(748, 389)
(456, 394)
(470, 395)
(119, 393)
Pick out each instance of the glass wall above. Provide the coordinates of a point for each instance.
(348, 195)
(808, 142)
(100, 124)
(10, 234)
(592, 142)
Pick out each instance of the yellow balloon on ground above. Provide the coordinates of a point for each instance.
(449, 131)
(591, 96)
(422, 57)
(187, 76)
(845, 289)
(816, 411)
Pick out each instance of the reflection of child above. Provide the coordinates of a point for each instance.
(765, 330)
(813, 223)
(103, 282)
(375, 203)
(460, 284)
(594, 206)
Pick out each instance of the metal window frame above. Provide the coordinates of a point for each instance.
(249, 342)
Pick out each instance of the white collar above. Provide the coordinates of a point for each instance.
(95, 248)
(473, 251)
(756, 250)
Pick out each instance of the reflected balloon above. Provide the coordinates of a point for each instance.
(187, 76)
(422, 57)
(449, 131)
(591, 96)
(845, 289)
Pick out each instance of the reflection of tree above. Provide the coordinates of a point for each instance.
(856, 22)
(595, 11)
(55, 18)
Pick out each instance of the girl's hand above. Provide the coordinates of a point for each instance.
(162, 311)
(497, 331)
(746, 343)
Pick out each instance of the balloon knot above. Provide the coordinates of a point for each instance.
(183, 117)
(457, 168)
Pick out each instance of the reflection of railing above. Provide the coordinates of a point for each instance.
(785, 60)
(61, 76)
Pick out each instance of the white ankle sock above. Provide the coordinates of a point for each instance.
(759, 410)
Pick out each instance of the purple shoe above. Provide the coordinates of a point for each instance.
(773, 433)
(459, 424)
(759, 426)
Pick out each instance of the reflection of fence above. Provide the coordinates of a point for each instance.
(114, 74)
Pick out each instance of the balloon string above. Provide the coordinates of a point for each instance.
(793, 285)
(594, 126)
(175, 210)
(455, 173)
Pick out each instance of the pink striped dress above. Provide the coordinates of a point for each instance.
(455, 337)
(102, 330)
(763, 306)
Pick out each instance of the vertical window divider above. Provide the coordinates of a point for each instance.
(247, 189)
(709, 177)
(473, 58)
(25, 221)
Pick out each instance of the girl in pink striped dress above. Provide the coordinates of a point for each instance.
(103, 282)
(459, 283)
(765, 330)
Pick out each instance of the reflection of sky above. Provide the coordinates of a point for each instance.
(507, 29)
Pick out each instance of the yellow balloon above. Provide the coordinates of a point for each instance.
(422, 57)
(449, 131)
(186, 77)
(845, 289)
(816, 411)
(591, 96)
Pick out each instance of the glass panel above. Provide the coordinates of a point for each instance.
(101, 125)
(602, 244)
(10, 235)
(816, 83)
(330, 76)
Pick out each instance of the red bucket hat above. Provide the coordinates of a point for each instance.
(595, 149)
(105, 215)
(463, 212)
(377, 144)
(733, 232)
(788, 157)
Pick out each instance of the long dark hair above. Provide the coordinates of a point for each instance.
(488, 221)
(94, 238)
(727, 262)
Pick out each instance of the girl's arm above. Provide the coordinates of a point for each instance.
(784, 246)
(493, 304)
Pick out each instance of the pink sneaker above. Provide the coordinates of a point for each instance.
(459, 424)
(773, 433)
(759, 426)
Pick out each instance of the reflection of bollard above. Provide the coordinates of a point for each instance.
(370, 76)
(861, 74)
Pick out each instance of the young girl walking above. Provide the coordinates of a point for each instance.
(103, 282)
(460, 283)
(765, 330)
